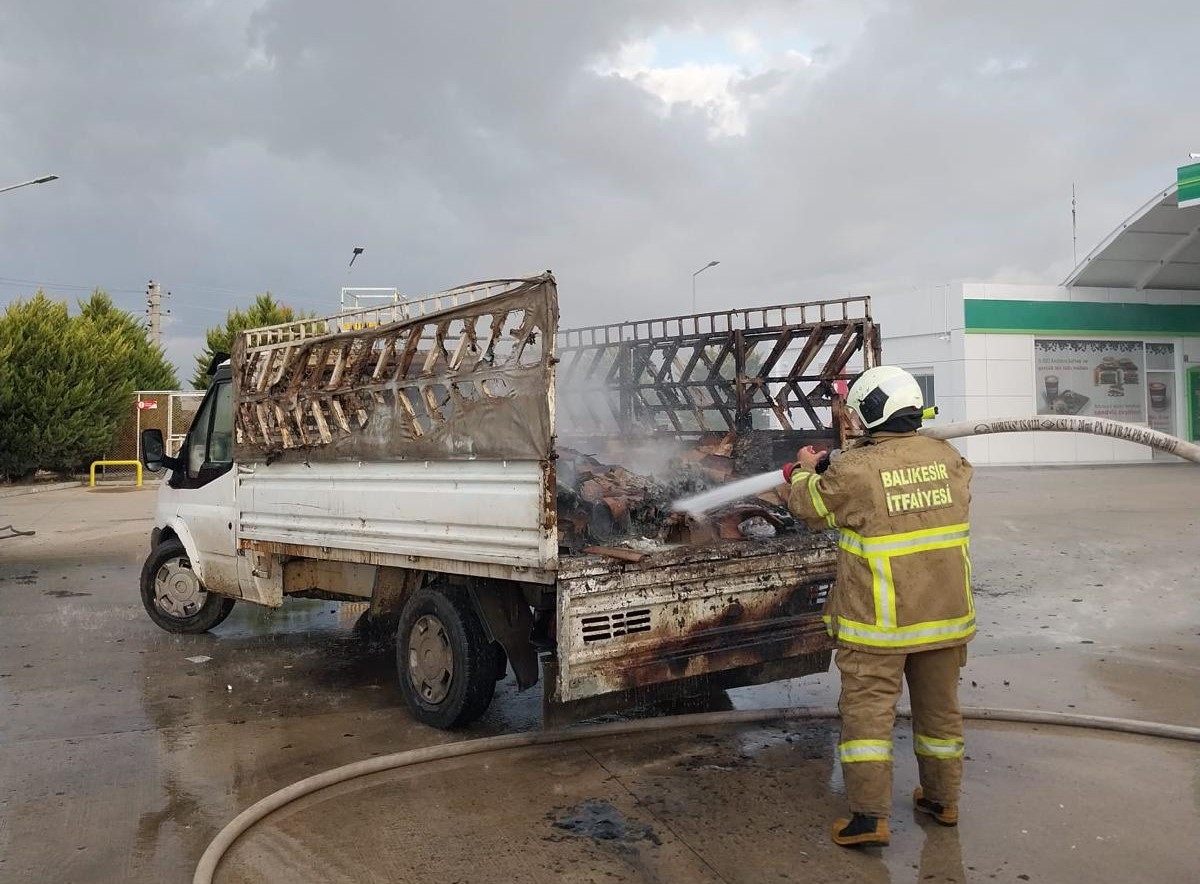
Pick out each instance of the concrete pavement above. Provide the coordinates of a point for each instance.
(120, 758)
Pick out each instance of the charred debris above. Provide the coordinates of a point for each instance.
(607, 509)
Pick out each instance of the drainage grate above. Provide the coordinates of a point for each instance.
(599, 627)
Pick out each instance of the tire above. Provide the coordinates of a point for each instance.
(447, 665)
(173, 595)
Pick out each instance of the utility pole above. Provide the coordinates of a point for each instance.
(154, 311)
(1074, 233)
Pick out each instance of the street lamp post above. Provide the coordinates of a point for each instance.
(694, 275)
(44, 179)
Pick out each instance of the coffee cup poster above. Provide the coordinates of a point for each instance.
(1091, 378)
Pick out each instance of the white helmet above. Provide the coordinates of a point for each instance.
(881, 393)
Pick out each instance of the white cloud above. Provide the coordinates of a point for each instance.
(996, 67)
(744, 41)
(717, 89)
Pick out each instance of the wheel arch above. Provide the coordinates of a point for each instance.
(176, 529)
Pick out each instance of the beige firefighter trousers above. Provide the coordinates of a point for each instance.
(870, 690)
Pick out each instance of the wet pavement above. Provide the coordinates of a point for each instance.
(120, 758)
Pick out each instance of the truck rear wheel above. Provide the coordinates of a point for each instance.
(446, 662)
(173, 595)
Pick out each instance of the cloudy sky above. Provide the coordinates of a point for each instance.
(814, 147)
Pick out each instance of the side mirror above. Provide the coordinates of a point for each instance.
(154, 451)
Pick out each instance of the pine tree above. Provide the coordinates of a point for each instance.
(147, 367)
(63, 388)
(264, 311)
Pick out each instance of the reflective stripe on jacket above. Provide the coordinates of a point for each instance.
(899, 502)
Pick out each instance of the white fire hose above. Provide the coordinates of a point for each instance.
(1057, 423)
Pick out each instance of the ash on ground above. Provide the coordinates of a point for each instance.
(600, 821)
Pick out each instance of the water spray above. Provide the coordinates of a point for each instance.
(706, 501)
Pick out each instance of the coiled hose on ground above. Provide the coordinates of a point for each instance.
(207, 866)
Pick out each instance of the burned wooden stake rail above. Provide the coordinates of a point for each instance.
(714, 372)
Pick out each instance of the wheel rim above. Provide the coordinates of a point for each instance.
(177, 589)
(430, 659)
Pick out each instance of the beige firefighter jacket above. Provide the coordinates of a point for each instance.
(899, 502)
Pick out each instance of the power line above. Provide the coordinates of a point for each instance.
(54, 287)
(8, 282)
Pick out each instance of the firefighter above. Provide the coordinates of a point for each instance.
(901, 606)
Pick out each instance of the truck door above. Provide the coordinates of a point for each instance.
(205, 488)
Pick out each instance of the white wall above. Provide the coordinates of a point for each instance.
(930, 310)
(923, 331)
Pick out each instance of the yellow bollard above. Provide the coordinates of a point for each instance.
(117, 463)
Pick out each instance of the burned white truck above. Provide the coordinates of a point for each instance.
(499, 491)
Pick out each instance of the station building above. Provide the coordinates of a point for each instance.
(1119, 338)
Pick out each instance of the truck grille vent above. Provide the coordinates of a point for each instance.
(605, 626)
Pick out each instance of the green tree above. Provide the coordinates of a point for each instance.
(219, 339)
(63, 388)
(147, 367)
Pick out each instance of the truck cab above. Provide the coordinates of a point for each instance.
(190, 580)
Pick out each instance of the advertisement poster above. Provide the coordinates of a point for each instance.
(1161, 391)
(1091, 379)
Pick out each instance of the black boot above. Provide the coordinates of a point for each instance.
(946, 814)
(861, 829)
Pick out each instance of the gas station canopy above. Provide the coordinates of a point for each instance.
(1158, 247)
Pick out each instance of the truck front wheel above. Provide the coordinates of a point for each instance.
(447, 664)
(173, 595)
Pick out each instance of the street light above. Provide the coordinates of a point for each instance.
(694, 275)
(42, 180)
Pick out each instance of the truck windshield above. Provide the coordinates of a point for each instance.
(210, 440)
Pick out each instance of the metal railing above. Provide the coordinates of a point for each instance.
(114, 463)
(759, 367)
(719, 322)
(289, 333)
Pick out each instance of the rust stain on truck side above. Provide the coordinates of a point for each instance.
(693, 611)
